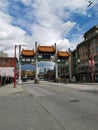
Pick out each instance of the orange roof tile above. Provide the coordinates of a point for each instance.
(28, 53)
(46, 49)
(63, 54)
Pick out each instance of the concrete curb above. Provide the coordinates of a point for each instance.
(82, 86)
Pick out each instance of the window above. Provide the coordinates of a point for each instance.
(97, 49)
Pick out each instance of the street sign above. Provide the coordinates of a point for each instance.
(91, 63)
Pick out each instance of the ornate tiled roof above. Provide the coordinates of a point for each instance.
(46, 49)
(63, 54)
(28, 53)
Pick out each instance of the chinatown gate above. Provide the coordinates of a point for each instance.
(44, 53)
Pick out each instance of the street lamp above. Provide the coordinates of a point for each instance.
(70, 71)
(19, 79)
(15, 67)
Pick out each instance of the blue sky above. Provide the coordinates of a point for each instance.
(47, 21)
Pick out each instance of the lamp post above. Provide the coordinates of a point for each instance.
(19, 79)
(15, 67)
(70, 70)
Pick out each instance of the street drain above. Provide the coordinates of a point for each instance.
(74, 100)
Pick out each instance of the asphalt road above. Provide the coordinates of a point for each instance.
(48, 106)
(71, 108)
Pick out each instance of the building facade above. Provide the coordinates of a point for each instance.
(86, 57)
(6, 70)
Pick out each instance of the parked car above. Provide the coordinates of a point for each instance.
(24, 79)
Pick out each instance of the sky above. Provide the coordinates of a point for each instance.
(64, 22)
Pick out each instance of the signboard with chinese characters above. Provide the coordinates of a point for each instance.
(7, 71)
(91, 63)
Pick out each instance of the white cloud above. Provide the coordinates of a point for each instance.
(63, 45)
(43, 34)
(50, 26)
(3, 5)
(9, 34)
(5, 17)
(27, 2)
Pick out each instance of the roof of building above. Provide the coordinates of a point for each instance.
(83, 43)
(63, 54)
(46, 49)
(91, 29)
(28, 53)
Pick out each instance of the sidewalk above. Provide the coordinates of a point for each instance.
(83, 86)
(80, 86)
(9, 89)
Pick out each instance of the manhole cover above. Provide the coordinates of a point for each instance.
(74, 100)
(30, 95)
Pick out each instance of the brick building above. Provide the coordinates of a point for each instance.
(6, 70)
(85, 57)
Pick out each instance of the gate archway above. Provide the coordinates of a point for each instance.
(44, 53)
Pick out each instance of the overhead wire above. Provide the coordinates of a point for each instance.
(77, 19)
(89, 18)
(38, 8)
